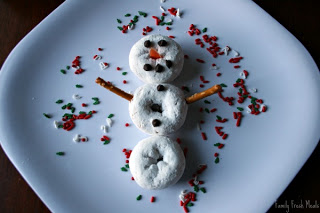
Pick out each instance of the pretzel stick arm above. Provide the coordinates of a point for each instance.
(114, 89)
(203, 94)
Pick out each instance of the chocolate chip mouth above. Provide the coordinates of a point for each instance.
(160, 87)
(156, 122)
(147, 67)
(158, 68)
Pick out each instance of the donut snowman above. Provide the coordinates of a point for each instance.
(157, 108)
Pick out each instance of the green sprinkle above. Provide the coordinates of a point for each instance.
(134, 21)
(196, 188)
(204, 30)
(119, 21)
(207, 110)
(96, 103)
(120, 28)
(46, 115)
(223, 85)
(130, 24)
(217, 144)
(127, 165)
(161, 18)
(142, 13)
(162, 23)
(124, 169)
(63, 71)
(238, 80)
(95, 99)
(240, 109)
(169, 23)
(218, 117)
(106, 142)
(79, 86)
(203, 190)
(111, 115)
(59, 101)
(124, 73)
(60, 153)
(69, 105)
(127, 15)
(190, 204)
(240, 90)
(73, 109)
(245, 96)
(207, 102)
(60, 126)
(68, 67)
(139, 197)
(136, 18)
(90, 113)
(82, 112)
(64, 107)
(217, 160)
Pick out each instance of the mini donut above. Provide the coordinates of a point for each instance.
(157, 162)
(156, 58)
(158, 108)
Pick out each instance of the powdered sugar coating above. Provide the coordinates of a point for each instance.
(139, 56)
(173, 105)
(157, 162)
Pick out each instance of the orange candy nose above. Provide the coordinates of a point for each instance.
(154, 54)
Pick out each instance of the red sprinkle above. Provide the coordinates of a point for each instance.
(168, 28)
(201, 85)
(118, 68)
(186, 56)
(213, 110)
(200, 60)
(100, 49)
(237, 66)
(204, 137)
(218, 74)
(83, 105)
(127, 124)
(132, 178)
(152, 199)
(221, 146)
(216, 154)
(178, 141)
(224, 136)
(124, 81)
(170, 36)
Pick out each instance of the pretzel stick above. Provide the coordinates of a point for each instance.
(114, 89)
(203, 94)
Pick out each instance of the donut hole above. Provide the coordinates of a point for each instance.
(160, 158)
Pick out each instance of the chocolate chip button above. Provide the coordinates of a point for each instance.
(158, 68)
(162, 43)
(147, 67)
(156, 123)
(168, 63)
(156, 108)
(160, 87)
(147, 43)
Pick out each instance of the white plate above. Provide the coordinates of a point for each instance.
(260, 158)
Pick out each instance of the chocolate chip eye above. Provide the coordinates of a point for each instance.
(156, 123)
(147, 43)
(168, 63)
(156, 108)
(162, 43)
(158, 68)
(147, 67)
(160, 87)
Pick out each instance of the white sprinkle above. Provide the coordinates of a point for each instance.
(103, 65)
(182, 195)
(76, 97)
(56, 124)
(97, 57)
(33, 98)
(215, 68)
(76, 68)
(178, 13)
(248, 110)
(182, 198)
(261, 106)
(254, 90)
(130, 92)
(104, 128)
(109, 122)
(161, 8)
(162, 1)
(199, 126)
(226, 50)
(170, 20)
(235, 53)
(131, 27)
(243, 75)
(76, 138)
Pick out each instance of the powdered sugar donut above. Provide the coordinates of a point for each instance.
(156, 58)
(157, 162)
(158, 108)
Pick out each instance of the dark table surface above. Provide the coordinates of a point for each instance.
(18, 17)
